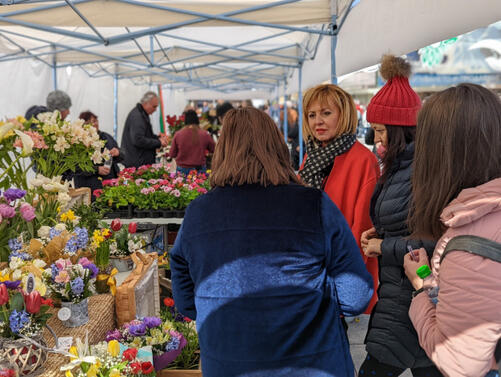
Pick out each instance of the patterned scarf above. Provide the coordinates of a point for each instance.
(320, 160)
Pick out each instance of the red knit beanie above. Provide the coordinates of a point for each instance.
(395, 103)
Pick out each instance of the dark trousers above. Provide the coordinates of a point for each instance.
(374, 368)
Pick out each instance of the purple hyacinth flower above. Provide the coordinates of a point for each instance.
(113, 335)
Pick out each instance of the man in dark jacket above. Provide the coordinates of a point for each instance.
(139, 143)
(109, 169)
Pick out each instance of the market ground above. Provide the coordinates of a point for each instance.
(356, 335)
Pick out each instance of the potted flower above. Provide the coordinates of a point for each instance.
(72, 284)
(106, 359)
(175, 123)
(187, 364)
(166, 343)
(124, 242)
(23, 314)
(105, 277)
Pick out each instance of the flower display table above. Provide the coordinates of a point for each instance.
(101, 320)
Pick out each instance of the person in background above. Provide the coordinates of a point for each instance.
(59, 100)
(456, 187)
(281, 264)
(336, 162)
(190, 145)
(34, 110)
(222, 109)
(139, 143)
(109, 169)
(392, 344)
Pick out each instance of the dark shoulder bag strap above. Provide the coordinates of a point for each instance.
(485, 248)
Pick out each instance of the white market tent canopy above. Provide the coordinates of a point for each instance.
(203, 49)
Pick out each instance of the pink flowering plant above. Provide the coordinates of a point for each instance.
(16, 218)
(70, 282)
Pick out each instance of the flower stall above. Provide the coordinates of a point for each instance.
(60, 260)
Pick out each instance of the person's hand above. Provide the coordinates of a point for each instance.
(410, 267)
(163, 141)
(103, 170)
(373, 248)
(114, 152)
(366, 236)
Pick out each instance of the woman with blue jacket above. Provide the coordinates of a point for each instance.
(266, 265)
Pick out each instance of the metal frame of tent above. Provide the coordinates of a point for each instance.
(266, 69)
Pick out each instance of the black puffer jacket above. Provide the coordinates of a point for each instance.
(391, 338)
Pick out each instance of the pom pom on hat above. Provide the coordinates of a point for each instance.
(395, 103)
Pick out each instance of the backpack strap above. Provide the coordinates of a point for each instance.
(479, 246)
(474, 245)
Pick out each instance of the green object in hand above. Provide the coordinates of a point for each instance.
(423, 271)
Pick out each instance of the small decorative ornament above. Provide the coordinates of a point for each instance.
(64, 314)
(30, 283)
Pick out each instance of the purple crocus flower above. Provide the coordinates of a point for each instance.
(13, 194)
(137, 330)
(12, 284)
(151, 322)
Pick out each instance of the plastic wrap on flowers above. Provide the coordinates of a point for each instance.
(162, 361)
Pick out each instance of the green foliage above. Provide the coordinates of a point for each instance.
(90, 216)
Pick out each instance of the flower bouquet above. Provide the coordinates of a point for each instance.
(165, 341)
(106, 359)
(23, 314)
(72, 284)
(175, 123)
(16, 217)
(189, 358)
(124, 242)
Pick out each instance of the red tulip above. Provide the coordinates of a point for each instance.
(168, 302)
(116, 224)
(130, 354)
(147, 367)
(4, 295)
(33, 302)
(136, 367)
(132, 228)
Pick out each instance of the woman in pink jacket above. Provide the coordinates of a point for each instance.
(457, 191)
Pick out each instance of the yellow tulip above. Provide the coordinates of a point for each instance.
(113, 348)
(27, 143)
(68, 374)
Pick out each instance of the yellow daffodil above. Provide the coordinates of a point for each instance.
(114, 373)
(93, 370)
(106, 232)
(113, 348)
(4, 276)
(73, 351)
(68, 374)
(69, 215)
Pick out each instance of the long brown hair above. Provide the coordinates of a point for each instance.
(397, 139)
(327, 94)
(251, 150)
(458, 146)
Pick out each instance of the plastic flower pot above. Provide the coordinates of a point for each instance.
(130, 211)
(141, 213)
(167, 213)
(179, 213)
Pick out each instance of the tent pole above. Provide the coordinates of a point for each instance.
(277, 110)
(115, 105)
(300, 111)
(333, 50)
(54, 68)
(152, 51)
(285, 112)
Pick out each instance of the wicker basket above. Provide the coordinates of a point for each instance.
(28, 357)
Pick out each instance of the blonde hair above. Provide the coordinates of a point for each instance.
(330, 94)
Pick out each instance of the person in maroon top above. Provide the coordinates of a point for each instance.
(190, 145)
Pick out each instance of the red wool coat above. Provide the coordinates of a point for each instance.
(350, 185)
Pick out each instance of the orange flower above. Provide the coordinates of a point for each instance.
(168, 302)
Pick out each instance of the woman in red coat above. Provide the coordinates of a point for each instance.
(337, 163)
